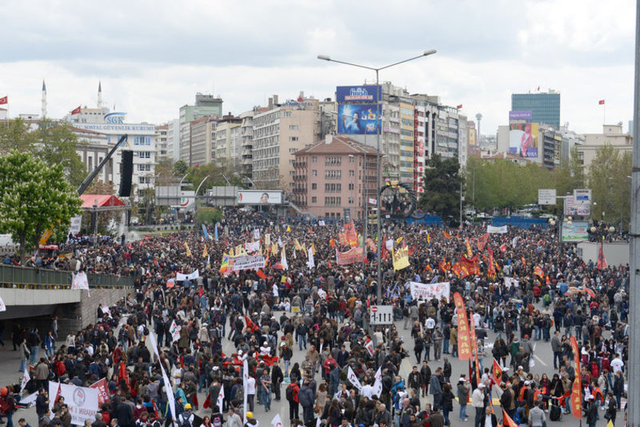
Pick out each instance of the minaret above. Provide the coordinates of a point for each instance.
(99, 94)
(44, 100)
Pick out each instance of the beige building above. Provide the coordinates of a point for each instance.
(611, 135)
(202, 133)
(227, 145)
(163, 148)
(278, 132)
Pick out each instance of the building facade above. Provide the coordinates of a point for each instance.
(162, 142)
(202, 133)
(227, 145)
(205, 105)
(335, 178)
(611, 135)
(280, 130)
(246, 132)
(544, 107)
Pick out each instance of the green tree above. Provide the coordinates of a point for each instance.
(206, 215)
(610, 185)
(180, 167)
(16, 135)
(442, 188)
(34, 197)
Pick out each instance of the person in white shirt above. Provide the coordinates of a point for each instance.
(265, 350)
(251, 392)
(430, 324)
(617, 364)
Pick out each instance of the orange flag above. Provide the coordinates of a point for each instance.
(507, 420)
(446, 235)
(464, 340)
(576, 390)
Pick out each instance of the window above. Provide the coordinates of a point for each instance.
(351, 186)
(141, 179)
(352, 173)
(332, 161)
(332, 188)
(293, 138)
(352, 159)
(314, 159)
(314, 173)
(333, 174)
(314, 186)
(350, 200)
(286, 114)
(314, 199)
(293, 127)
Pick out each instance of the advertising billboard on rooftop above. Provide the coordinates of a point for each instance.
(523, 139)
(357, 119)
(366, 93)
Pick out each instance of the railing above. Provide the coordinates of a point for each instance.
(42, 278)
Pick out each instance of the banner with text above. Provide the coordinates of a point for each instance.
(429, 291)
(351, 256)
(239, 263)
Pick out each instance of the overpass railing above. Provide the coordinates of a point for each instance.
(29, 277)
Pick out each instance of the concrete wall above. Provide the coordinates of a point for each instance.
(614, 253)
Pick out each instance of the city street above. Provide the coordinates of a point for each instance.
(10, 362)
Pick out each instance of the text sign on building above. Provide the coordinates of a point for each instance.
(381, 315)
(546, 196)
(520, 115)
(582, 195)
(366, 93)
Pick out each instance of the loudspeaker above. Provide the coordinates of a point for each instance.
(125, 174)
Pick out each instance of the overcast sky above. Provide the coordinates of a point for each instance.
(153, 56)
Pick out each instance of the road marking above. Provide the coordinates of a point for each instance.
(540, 360)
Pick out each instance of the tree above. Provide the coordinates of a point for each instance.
(51, 142)
(180, 167)
(610, 185)
(34, 197)
(207, 216)
(442, 188)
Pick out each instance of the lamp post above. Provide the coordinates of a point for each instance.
(378, 117)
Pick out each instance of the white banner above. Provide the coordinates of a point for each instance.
(496, 230)
(76, 224)
(311, 262)
(377, 385)
(510, 281)
(253, 246)
(388, 245)
(25, 380)
(80, 281)
(220, 399)
(245, 380)
(182, 277)
(353, 379)
(256, 234)
(244, 262)
(429, 291)
(277, 421)
(82, 403)
(174, 330)
(167, 385)
(3, 307)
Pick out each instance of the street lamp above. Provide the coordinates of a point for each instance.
(378, 115)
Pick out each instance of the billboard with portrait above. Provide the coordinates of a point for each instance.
(364, 93)
(576, 231)
(259, 197)
(358, 119)
(523, 139)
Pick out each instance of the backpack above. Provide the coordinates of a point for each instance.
(186, 422)
(292, 393)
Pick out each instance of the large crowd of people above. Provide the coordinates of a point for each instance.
(304, 330)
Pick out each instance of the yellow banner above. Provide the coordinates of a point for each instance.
(401, 259)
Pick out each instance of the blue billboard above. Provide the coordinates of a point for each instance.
(357, 119)
(366, 93)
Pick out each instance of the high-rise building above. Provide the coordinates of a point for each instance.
(227, 145)
(202, 134)
(246, 132)
(162, 142)
(173, 139)
(205, 105)
(544, 108)
(335, 178)
(279, 130)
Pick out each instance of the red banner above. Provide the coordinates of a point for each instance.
(342, 237)
(470, 265)
(576, 389)
(491, 269)
(497, 372)
(464, 340)
(482, 241)
(350, 232)
(103, 391)
(352, 256)
(508, 422)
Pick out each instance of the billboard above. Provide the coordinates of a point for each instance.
(523, 139)
(576, 207)
(520, 115)
(366, 93)
(576, 231)
(357, 119)
(259, 197)
(546, 196)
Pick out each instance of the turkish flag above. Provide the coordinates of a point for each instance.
(76, 111)
(601, 102)
(459, 107)
(4, 100)
(261, 274)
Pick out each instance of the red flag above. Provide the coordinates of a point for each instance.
(538, 271)
(503, 247)
(123, 373)
(155, 408)
(602, 261)
(576, 389)
(601, 102)
(207, 402)
(459, 107)
(590, 292)
(251, 325)
(77, 110)
(261, 274)
(482, 241)
(195, 400)
(4, 100)
(497, 372)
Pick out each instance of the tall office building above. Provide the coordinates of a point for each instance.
(544, 107)
(206, 105)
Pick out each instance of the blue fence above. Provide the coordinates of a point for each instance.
(519, 221)
(426, 220)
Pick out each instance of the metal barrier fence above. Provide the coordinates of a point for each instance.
(38, 277)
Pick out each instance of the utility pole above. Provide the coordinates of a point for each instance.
(633, 400)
